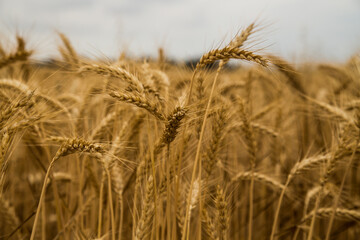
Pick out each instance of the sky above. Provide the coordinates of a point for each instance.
(320, 30)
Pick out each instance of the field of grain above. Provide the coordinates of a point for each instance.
(154, 149)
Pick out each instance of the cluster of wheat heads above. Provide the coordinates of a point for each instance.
(151, 149)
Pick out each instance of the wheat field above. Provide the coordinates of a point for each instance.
(141, 148)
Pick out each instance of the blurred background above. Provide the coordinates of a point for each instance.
(299, 30)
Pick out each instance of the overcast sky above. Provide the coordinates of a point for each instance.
(295, 29)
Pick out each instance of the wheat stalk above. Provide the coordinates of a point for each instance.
(71, 146)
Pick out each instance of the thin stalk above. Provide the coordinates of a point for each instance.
(251, 200)
(196, 162)
(100, 205)
(42, 196)
(121, 215)
(152, 157)
(43, 222)
(177, 179)
(168, 200)
(277, 213)
(191, 87)
(134, 212)
(317, 203)
(111, 204)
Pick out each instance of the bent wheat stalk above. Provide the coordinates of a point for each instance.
(69, 147)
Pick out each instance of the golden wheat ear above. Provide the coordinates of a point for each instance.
(67, 51)
(21, 54)
(140, 102)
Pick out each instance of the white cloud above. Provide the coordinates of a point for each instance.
(322, 28)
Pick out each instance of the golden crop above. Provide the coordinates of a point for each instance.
(151, 149)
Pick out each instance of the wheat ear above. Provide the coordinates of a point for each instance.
(210, 228)
(345, 214)
(273, 183)
(230, 53)
(289, 71)
(115, 72)
(70, 55)
(19, 55)
(222, 213)
(218, 133)
(299, 167)
(337, 198)
(139, 101)
(70, 146)
(143, 228)
(324, 179)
